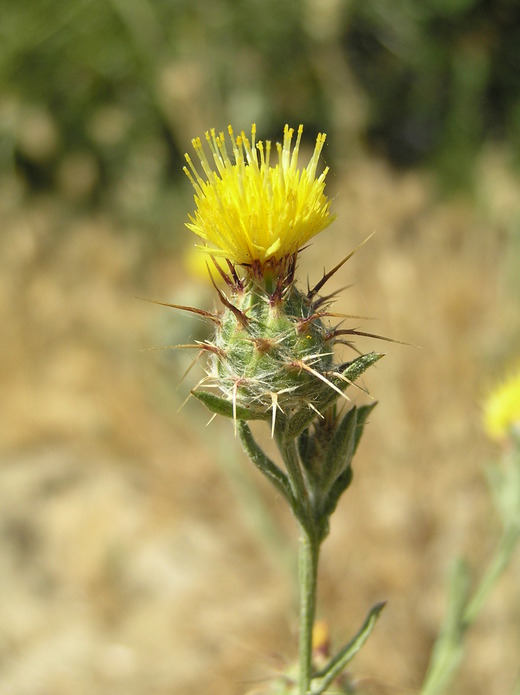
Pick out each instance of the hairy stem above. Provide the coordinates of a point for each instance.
(308, 573)
(309, 550)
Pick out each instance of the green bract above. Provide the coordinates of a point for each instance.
(271, 356)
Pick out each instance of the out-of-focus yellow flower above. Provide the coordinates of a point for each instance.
(249, 210)
(502, 408)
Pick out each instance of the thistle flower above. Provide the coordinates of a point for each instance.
(272, 353)
(252, 212)
(502, 408)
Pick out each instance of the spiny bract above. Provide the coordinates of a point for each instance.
(271, 355)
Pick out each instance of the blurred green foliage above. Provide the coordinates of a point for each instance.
(443, 76)
(101, 97)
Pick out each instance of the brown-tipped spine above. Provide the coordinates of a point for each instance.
(239, 315)
(200, 312)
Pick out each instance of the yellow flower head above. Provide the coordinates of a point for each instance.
(251, 211)
(502, 408)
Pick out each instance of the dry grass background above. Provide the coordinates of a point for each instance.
(128, 562)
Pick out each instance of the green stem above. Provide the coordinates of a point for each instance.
(309, 550)
(308, 574)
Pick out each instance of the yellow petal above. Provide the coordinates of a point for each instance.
(249, 210)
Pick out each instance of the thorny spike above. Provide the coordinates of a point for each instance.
(239, 315)
(329, 298)
(313, 407)
(304, 322)
(184, 402)
(348, 344)
(274, 399)
(341, 376)
(364, 334)
(238, 282)
(208, 423)
(192, 364)
(316, 356)
(344, 316)
(182, 307)
(188, 346)
(301, 365)
(284, 282)
(328, 275)
(202, 381)
(291, 269)
(223, 275)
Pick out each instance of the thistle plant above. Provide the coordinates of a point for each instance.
(272, 356)
(501, 419)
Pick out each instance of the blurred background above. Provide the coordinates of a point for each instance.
(140, 553)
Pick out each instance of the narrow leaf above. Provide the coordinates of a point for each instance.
(311, 457)
(362, 417)
(221, 406)
(264, 464)
(300, 421)
(306, 448)
(341, 448)
(343, 481)
(338, 663)
(340, 485)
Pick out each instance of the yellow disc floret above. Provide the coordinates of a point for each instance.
(250, 210)
(502, 408)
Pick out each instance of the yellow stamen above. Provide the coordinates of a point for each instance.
(250, 211)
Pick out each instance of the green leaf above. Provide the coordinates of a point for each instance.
(341, 483)
(221, 406)
(311, 456)
(344, 479)
(341, 448)
(340, 661)
(306, 448)
(264, 464)
(300, 421)
(362, 416)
